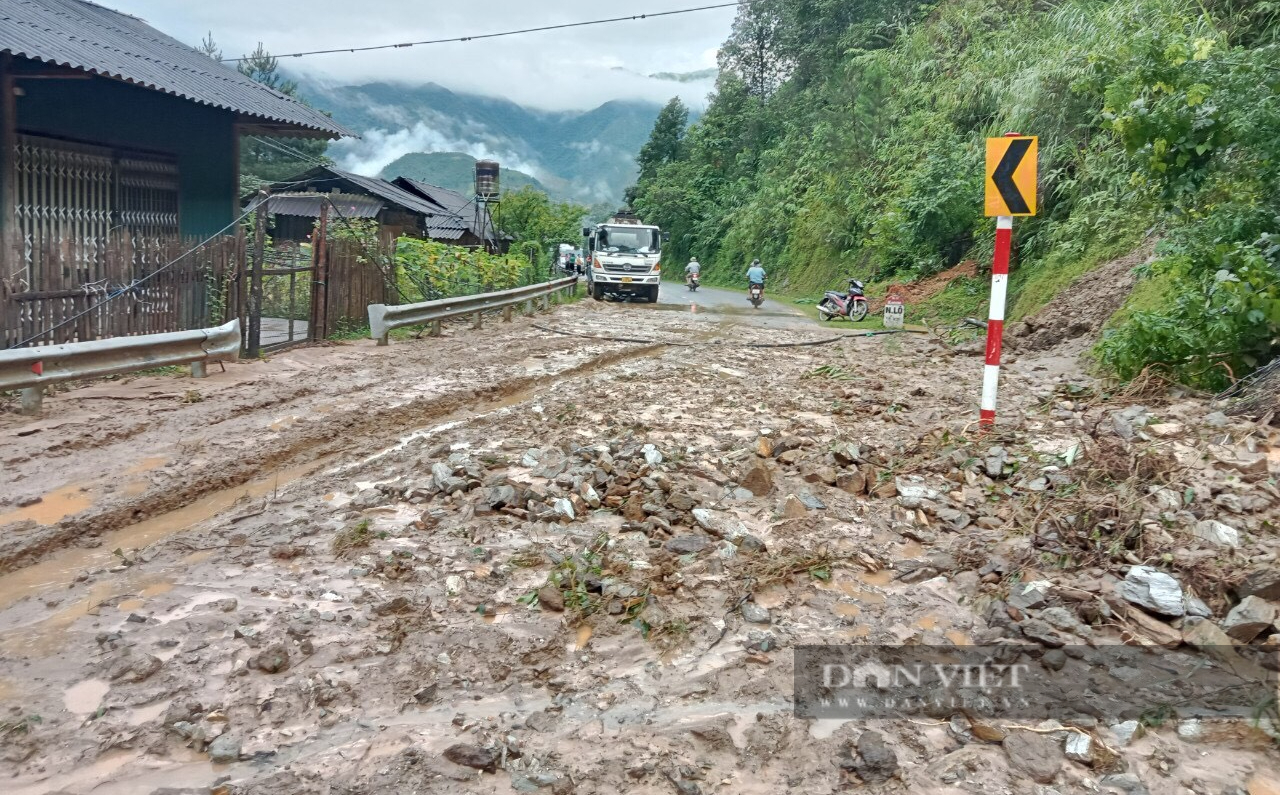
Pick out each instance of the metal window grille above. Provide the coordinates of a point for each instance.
(74, 198)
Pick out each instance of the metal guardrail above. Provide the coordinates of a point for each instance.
(384, 319)
(32, 369)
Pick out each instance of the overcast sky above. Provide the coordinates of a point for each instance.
(553, 70)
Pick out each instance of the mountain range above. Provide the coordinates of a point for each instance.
(587, 156)
(453, 170)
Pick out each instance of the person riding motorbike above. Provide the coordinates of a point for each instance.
(755, 274)
(692, 270)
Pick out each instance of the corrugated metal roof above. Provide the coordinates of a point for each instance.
(98, 40)
(452, 202)
(307, 204)
(439, 223)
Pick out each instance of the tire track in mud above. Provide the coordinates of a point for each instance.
(352, 432)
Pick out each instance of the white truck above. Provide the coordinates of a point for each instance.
(623, 258)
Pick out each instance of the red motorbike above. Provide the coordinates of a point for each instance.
(852, 304)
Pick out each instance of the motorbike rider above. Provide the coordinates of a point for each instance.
(755, 274)
(692, 269)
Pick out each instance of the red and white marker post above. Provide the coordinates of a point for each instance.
(1010, 191)
(995, 320)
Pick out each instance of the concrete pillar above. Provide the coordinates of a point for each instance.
(477, 323)
(506, 313)
(32, 400)
(528, 307)
(199, 370)
(384, 340)
(436, 328)
(546, 303)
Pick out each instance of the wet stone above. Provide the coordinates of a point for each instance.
(272, 660)
(876, 762)
(754, 613)
(473, 756)
(225, 749)
(1036, 755)
(687, 544)
(551, 598)
(1153, 590)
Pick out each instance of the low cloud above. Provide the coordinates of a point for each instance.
(378, 148)
(565, 69)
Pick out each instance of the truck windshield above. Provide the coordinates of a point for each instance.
(629, 240)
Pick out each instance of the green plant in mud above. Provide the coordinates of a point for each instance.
(356, 536)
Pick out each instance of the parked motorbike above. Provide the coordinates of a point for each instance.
(757, 295)
(852, 304)
(692, 281)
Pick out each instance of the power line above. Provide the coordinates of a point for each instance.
(479, 36)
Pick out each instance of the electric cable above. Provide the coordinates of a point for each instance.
(479, 36)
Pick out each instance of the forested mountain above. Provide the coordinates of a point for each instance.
(848, 138)
(585, 155)
(453, 170)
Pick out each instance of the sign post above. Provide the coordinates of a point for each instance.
(1011, 191)
(894, 310)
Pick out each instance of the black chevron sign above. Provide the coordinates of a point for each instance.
(1003, 176)
(1011, 180)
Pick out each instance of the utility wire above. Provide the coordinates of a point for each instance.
(479, 36)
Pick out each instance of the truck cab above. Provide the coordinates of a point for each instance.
(623, 258)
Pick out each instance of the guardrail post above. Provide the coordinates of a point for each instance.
(436, 329)
(384, 340)
(32, 399)
(199, 370)
(528, 308)
(477, 323)
(546, 302)
(506, 314)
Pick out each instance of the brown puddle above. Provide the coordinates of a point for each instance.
(957, 637)
(847, 610)
(62, 567)
(85, 697)
(147, 464)
(135, 488)
(584, 635)
(53, 507)
(129, 605)
(877, 578)
(157, 589)
(911, 550)
(927, 623)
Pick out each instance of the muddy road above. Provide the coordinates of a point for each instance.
(569, 554)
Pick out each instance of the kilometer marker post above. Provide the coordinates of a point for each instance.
(1011, 191)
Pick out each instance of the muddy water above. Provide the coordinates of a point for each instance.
(61, 568)
(85, 698)
(53, 507)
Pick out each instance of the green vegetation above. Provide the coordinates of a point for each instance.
(846, 138)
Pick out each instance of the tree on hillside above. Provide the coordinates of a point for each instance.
(534, 221)
(755, 51)
(666, 140)
(269, 159)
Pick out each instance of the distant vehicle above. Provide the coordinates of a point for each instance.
(623, 258)
(757, 295)
(693, 281)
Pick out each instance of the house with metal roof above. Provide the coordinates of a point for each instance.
(408, 208)
(107, 124)
(119, 151)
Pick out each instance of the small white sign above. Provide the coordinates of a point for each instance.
(894, 314)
